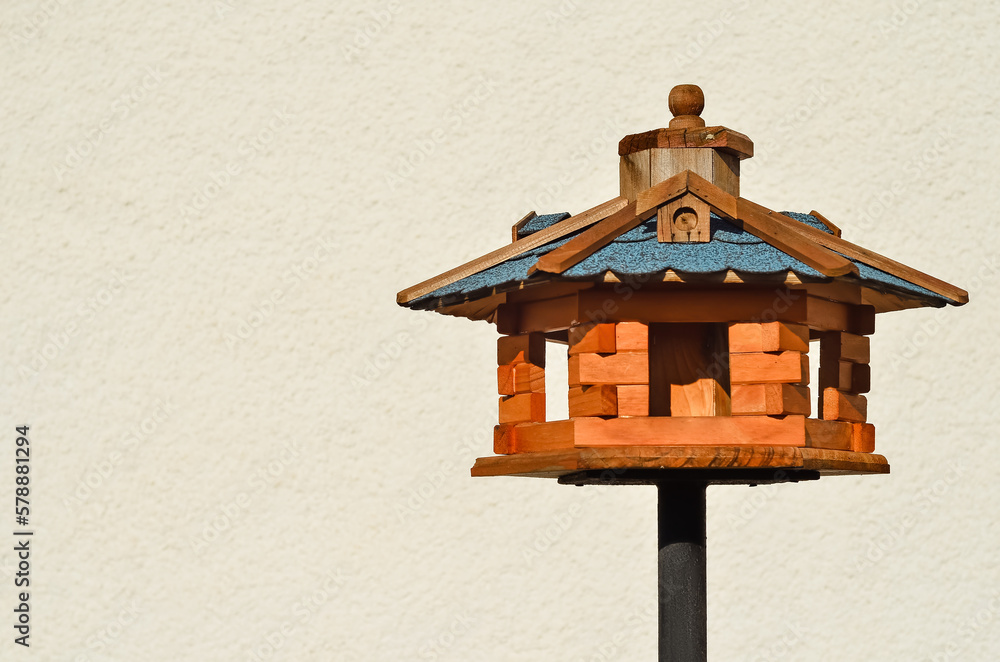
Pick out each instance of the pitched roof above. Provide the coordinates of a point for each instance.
(637, 252)
(620, 237)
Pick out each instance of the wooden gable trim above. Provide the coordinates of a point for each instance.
(871, 258)
(761, 222)
(534, 240)
(589, 241)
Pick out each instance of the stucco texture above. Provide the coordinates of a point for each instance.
(244, 450)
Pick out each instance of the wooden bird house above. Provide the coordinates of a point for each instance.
(689, 315)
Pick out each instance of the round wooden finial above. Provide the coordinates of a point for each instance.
(686, 103)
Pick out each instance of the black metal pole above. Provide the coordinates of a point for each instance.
(683, 604)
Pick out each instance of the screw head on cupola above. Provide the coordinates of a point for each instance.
(686, 103)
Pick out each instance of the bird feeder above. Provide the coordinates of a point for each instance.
(690, 316)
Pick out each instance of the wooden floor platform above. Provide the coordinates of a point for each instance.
(686, 460)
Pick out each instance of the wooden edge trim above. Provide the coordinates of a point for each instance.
(589, 241)
(834, 462)
(717, 137)
(540, 238)
(552, 464)
(520, 224)
(871, 258)
(825, 221)
(772, 227)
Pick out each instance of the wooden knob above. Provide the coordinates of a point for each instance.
(686, 103)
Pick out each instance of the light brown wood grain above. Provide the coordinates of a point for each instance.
(505, 379)
(633, 399)
(684, 220)
(592, 338)
(770, 399)
(540, 437)
(662, 192)
(834, 435)
(597, 400)
(863, 438)
(521, 348)
(528, 378)
(624, 368)
(503, 439)
(522, 408)
(722, 170)
(838, 406)
(716, 137)
(842, 346)
(634, 175)
(690, 431)
(766, 368)
(688, 370)
(631, 337)
(722, 202)
(559, 462)
(768, 337)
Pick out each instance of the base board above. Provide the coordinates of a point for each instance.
(680, 459)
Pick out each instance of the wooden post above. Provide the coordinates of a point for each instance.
(682, 571)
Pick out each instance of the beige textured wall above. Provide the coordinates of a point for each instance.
(245, 451)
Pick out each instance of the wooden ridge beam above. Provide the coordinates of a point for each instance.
(534, 240)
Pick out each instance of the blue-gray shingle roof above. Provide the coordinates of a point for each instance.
(638, 252)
